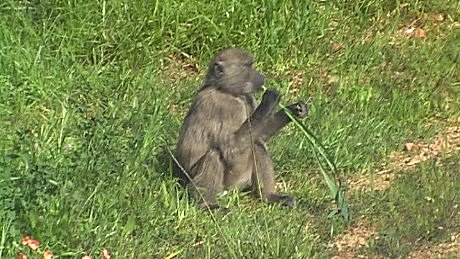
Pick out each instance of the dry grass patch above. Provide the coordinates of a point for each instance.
(412, 153)
(356, 237)
(447, 142)
(444, 250)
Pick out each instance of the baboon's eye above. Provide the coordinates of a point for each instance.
(248, 64)
(219, 68)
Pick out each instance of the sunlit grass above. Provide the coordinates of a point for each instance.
(88, 100)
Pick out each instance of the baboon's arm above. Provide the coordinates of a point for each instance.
(281, 119)
(254, 125)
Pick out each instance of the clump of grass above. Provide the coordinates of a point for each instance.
(327, 166)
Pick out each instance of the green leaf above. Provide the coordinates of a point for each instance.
(130, 225)
(324, 161)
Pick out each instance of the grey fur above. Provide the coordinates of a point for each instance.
(222, 140)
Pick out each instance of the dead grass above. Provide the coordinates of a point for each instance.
(349, 244)
(412, 153)
(445, 250)
(179, 67)
(358, 235)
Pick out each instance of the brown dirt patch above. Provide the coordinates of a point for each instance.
(412, 154)
(349, 244)
(178, 67)
(445, 250)
(425, 25)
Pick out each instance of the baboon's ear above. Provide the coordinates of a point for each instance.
(219, 68)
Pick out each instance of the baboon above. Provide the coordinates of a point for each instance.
(222, 139)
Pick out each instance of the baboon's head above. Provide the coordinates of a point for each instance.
(231, 71)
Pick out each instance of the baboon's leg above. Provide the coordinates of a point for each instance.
(263, 178)
(281, 119)
(208, 179)
(255, 123)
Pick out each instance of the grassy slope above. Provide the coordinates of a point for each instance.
(87, 107)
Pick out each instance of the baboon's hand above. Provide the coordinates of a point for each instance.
(299, 109)
(271, 96)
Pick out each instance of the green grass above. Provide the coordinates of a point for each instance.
(91, 95)
(421, 208)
